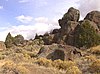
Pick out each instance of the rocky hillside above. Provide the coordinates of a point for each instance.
(72, 49)
(81, 34)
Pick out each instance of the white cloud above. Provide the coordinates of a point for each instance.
(24, 19)
(42, 25)
(1, 7)
(46, 20)
(86, 6)
(23, 1)
(41, 19)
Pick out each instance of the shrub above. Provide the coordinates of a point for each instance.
(86, 35)
(10, 66)
(22, 70)
(38, 41)
(19, 57)
(9, 40)
(73, 70)
(90, 58)
(19, 39)
(44, 62)
(95, 66)
(95, 50)
(59, 64)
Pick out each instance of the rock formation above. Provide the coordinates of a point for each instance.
(58, 51)
(95, 17)
(69, 33)
(70, 24)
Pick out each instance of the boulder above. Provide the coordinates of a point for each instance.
(72, 15)
(48, 39)
(65, 35)
(58, 51)
(69, 27)
(55, 31)
(95, 17)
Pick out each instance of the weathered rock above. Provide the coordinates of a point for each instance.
(69, 27)
(68, 23)
(57, 51)
(2, 46)
(48, 39)
(72, 15)
(58, 38)
(55, 31)
(95, 17)
(65, 35)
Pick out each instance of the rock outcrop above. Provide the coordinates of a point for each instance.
(69, 24)
(57, 51)
(69, 20)
(95, 17)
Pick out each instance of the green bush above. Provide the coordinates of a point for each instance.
(86, 35)
(19, 39)
(9, 40)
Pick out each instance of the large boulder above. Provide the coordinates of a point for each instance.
(58, 51)
(72, 15)
(68, 23)
(95, 17)
(69, 27)
(48, 39)
(65, 35)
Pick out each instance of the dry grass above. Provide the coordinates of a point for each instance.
(44, 62)
(73, 70)
(11, 67)
(90, 58)
(95, 66)
(95, 50)
(59, 64)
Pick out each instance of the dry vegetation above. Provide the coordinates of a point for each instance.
(25, 62)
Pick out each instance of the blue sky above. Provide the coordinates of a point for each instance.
(28, 17)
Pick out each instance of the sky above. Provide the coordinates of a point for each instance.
(28, 17)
